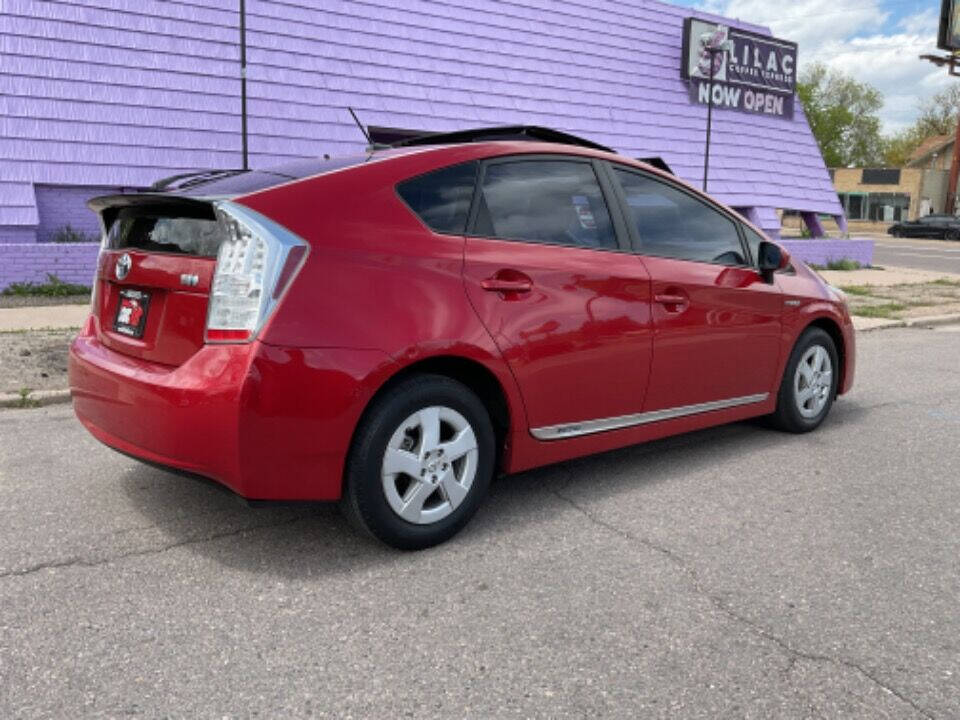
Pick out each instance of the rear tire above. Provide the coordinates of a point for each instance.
(952, 235)
(896, 233)
(809, 383)
(421, 463)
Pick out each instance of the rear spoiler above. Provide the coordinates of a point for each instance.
(109, 206)
(659, 163)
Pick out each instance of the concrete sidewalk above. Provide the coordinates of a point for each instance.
(43, 317)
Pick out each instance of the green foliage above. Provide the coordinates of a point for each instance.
(54, 287)
(898, 148)
(25, 400)
(843, 116)
(67, 234)
(886, 310)
(857, 289)
(842, 264)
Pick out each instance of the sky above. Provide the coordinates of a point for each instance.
(875, 41)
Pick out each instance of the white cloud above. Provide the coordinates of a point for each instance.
(855, 37)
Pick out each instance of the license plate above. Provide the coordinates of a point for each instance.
(132, 312)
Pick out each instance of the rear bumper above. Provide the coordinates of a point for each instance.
(270, 423)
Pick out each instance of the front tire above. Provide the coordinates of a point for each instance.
(952, 235)
(809, 383)
(420, 464)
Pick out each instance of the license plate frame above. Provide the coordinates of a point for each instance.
(131, 316)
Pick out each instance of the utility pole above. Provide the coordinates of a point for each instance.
(243, 82)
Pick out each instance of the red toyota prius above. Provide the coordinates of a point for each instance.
(391, 330)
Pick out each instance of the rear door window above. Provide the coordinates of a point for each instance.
(670, 222)
(442, 198)
(549, 201)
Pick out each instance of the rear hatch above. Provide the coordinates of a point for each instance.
(154, 275)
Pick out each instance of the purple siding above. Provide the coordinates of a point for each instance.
(122, 92)
(59, 207)
(820, 251)
(32, 262)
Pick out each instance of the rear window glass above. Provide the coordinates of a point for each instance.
(442, 198)
(137, 229)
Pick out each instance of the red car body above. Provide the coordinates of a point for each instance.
(380, 296)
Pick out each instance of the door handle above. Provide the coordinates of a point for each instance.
(496, 284)
(670, 299)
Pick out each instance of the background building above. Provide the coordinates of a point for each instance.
(112, 94)
(888, 195)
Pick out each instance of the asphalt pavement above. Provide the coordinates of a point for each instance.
(732, 573)
(938, 255)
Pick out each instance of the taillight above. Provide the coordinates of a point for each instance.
(257, 260)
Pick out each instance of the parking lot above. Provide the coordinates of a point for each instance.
(735, 572)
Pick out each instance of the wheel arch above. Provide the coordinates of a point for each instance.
(475, 375)
(832, 328)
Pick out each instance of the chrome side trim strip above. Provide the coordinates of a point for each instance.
(588, 427)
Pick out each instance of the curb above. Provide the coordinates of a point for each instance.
(921, 322)
(34, 399)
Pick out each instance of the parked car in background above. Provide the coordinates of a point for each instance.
(930, 226)
(393, 329)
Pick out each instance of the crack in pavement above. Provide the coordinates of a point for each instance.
(88, 563)
(792, 653)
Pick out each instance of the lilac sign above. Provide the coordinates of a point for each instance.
(752, 73)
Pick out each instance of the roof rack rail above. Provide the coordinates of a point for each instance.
(534, 133)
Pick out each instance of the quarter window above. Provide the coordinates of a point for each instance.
(442, 198)
(549, 201)
(672, 223)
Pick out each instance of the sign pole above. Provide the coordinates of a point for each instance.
(706, 155)
(243, 83)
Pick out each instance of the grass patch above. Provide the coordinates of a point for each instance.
(25, 400)
(886, 310)
(857, 289)
(843, 264)
(946, 281)
(54, 287)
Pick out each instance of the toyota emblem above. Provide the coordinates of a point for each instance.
(123, 266)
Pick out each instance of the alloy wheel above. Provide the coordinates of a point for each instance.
(429, 465)
(813, 381)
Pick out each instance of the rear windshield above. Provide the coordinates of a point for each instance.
(141, 229)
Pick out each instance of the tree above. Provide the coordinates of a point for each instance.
(938, 114)
(843, 116)
(898, 148)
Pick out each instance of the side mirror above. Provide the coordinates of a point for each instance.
(771, 258)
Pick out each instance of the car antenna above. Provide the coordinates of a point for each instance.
(371, 145)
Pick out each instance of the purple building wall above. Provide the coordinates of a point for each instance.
(94, 97)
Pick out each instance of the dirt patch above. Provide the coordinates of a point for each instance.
(903, 302)
(36, 360)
